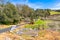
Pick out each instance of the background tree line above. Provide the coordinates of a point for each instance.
(13, 14)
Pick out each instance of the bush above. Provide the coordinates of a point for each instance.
(39, 24)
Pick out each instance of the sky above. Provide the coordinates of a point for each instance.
(41, 4)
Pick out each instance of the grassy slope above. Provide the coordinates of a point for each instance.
(53, 12)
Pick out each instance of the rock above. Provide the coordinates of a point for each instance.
(27, 31)
(13, 27)
(22, 31)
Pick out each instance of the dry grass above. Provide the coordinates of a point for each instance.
(9, 36)
(42, 35)
(48, 35)
(4, 26)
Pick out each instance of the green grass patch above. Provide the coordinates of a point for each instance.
(53, 12)
(39, 24)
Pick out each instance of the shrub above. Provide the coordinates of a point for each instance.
(39, 24)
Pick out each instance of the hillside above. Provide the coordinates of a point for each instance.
(54, 12)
